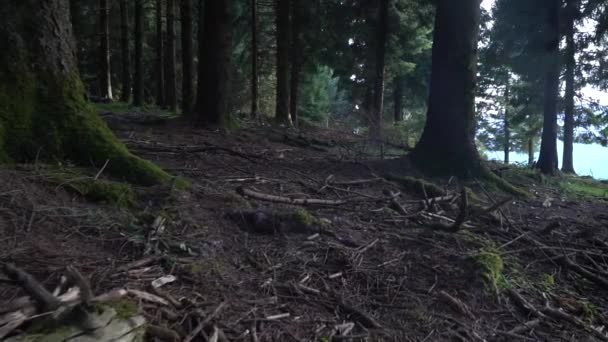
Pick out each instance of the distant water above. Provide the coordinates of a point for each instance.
(589, 160)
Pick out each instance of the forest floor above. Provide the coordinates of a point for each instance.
(364, 256)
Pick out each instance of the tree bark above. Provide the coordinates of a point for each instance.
(215, 65)
(187, 57)
(530, 151)
(254, 59)
(170, 75)
(125, 53)
(507, 129)
(572, 9)
(547, 161)
(398, 99)
(42, 97)
(160, 55)
(447, 144)
(378, 105)
(138, 86)
(296, 59)
(282, 115)
(105, 77)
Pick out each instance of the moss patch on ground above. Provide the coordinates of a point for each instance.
(96, 190)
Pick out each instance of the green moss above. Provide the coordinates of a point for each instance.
(305, 218)
(124, 307)
(416, 186)
(490, 178)
(490, 266)
(547, 282)
(48, 114)
(99, 190)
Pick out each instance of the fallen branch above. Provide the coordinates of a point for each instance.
(362, 317)
(566, 317)
(287, 200)
(41, 296)
(583, 272)
(456, 304)
(205, 321)
(524, 304)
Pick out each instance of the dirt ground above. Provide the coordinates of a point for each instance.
(360, 269)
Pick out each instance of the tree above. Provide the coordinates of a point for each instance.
(187, 57)
(125, 52)
(254, 59)
(398, 99)
(215, 64)
(282, 36)
(547, 161)
(105, 77)
(447, 144)
(571, 13)
(296, 58)
(160, 56)
(380, 68)
(42, 104)
(138, 86)
(170, 74)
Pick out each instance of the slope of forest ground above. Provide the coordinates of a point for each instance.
(365, 255)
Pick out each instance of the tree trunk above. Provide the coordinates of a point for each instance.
(42, 97)
(547, 161)
(77, 20)
(507, 129)
(170, 75)
(125, 53)
(187, 57)
(296, 59)
(254, 59)
(447, 144)
(378, 106)
(572, 9)
(282, 21)
(138, 87)
(398, 99)
(215, 64)
(530, 151)
(105, 79)
(160, 55)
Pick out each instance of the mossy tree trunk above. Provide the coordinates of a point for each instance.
(138, 86)
(186, 12)
(105, 77)
(547, 161)
(215, 62)
(170, 75)
(42, 104)
(447, 144)
(125, 52)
